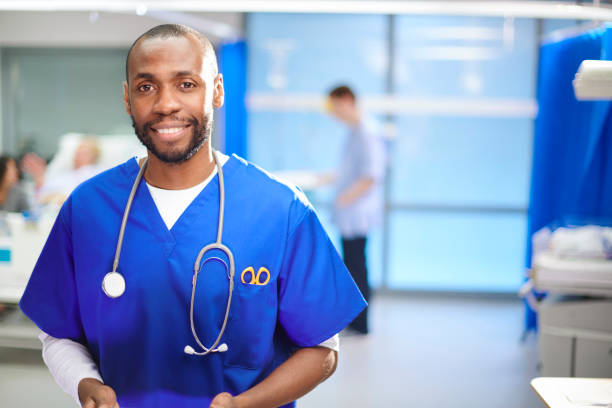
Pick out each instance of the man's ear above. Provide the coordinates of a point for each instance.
(126, 98)
(218, 92)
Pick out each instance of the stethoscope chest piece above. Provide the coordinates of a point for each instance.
(113, 284)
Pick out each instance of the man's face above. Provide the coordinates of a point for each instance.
(341, 108)
(170, 96)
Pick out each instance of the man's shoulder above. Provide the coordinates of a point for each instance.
(268, 187)
(370, 128)
(113, 178)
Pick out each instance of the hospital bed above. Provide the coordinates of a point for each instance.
(21, 248)
(114, 149)
(575, 319)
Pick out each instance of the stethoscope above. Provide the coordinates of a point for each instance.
(113, 283)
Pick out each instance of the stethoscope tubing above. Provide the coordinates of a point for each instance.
(126, 213)
(196, 268)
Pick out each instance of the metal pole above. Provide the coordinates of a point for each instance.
(389, 119)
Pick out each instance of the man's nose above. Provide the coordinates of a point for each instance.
(167, 102)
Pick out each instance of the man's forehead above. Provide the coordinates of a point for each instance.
(187, 41)
(166, 52)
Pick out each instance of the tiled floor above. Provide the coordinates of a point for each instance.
(423, 352)
(435, 352)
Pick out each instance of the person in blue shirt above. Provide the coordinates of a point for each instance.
(174, 325)
(358, 206)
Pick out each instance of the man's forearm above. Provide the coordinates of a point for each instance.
(302, 372)
(355, 191)
(69, 362)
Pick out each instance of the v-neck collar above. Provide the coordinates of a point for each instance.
(143, 202)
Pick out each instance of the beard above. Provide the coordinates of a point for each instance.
(200, 133)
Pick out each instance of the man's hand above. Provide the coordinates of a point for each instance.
(94, 394)
(35, 166)
(354, 192)
(223, 400)
(303, 371)
(343, 200)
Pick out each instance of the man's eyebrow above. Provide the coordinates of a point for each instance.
(144, 75)
(184, 73)
(178, 74)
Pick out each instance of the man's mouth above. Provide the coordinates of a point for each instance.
(170, 132)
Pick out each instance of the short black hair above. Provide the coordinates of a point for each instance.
(174, 31)
(341, 92)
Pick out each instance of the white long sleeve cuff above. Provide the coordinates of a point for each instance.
(69, 362)
(332, 343)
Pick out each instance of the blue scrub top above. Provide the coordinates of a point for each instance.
(137, 340)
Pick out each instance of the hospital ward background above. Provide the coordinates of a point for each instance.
(492, 263)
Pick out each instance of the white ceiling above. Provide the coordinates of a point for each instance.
(525, 8)
(104, 29)
(117, 22)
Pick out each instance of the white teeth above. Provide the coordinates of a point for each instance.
(169, 130)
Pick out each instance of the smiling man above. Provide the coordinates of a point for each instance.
(224, 292)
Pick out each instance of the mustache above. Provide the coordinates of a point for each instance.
(193, 121)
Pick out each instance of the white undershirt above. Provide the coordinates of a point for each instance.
(171, 204)
(69, 362)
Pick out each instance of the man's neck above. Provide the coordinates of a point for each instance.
(354, 120)
(170, 176)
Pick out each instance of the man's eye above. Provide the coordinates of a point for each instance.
(145, 88)
(187, 85)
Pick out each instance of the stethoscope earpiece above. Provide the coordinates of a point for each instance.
(221, 349)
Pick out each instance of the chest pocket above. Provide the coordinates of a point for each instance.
(253, 314)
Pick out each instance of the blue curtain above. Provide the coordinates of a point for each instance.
(572, 142)
(233, 64)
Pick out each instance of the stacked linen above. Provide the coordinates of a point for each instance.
(574, 260)
(587, 242)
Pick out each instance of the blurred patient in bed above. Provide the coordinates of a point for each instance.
(57, 189)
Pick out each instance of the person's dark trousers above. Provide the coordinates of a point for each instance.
(353, 250)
